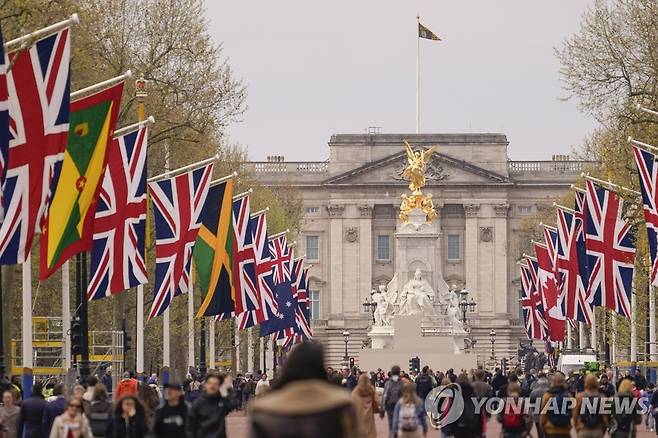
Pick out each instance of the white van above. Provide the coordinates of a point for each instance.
(574, 360)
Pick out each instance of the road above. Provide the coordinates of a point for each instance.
(237, 427)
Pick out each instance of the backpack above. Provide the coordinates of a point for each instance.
(99, 417)
(561, 418)
(408, 421)
(513, 421)
(591, 420)
(423, 385)
(393, 393)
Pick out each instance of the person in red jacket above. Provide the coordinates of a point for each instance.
(127, 386)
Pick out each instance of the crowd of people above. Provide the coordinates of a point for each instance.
(307, 399)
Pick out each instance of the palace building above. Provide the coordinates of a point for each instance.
(351, 205)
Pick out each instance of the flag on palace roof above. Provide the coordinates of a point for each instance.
(610, 250)
(69, 220)
(117, 255)
(648, 173)
(4, 115)
(213, 252)
(39, 88)
(177, 205)
(572, 285)
(424, 32)
(281, 256)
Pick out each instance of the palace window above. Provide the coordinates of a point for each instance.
(524, 209)
(314, 304)
(454, 252)
(383, 247)
(312, 210)
(313, 247)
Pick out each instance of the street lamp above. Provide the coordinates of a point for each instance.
(369, 306)
(346, 339)
(492, 336)
(465, 305)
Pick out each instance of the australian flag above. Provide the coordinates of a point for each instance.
(281, 257)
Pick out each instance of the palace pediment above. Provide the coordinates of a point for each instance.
(442, 169)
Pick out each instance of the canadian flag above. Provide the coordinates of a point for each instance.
(551, 298)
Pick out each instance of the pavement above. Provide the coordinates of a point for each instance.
(237, 428)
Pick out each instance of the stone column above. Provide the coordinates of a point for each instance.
(471, 241)
(365, 253)
(501, 288)
(335, 242)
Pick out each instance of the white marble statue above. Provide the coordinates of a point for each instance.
(416, 297)
(451, 300)
(385, 306)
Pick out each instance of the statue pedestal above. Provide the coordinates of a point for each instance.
(381, 337)
(397, 344)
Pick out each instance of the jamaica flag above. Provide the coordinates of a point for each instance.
(67, 227)
(213, 252)
(424, 32)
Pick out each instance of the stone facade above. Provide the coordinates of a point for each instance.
(351, 205)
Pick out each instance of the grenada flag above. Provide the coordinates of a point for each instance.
(67, 228)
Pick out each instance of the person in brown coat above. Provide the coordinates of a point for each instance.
(302, 403)
(588, 420)
(555, 419)
(365, 402)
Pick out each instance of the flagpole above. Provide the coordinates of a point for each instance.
(165, 316)
(27, 324)
(41, 33)
(652, 330)
(651, 148)
(633, 329)
(211, 345)
(569, 344)
(593, 337)
(646, 110)
(66, 315)
(190, 320)
(225, 178)
(171, 173)
(581, 335)
(417, 75)
(100, 86)
(140, 94)
(250, 350)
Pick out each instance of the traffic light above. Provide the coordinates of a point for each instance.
(414, 364)
(351, 362)
(503, 366)
(76, 336)
(127, 341)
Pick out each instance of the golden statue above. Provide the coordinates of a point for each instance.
(415, 173)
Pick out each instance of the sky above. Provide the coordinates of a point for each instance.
(316, 68)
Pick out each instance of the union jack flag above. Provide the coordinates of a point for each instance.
(38, 87)
(551, 238)
(531, 302)
(177, 204)
(117, 255)
(648, 172)
(610, 250)
(4, 114)
(550, 294)
(244, 265)
(269, 308)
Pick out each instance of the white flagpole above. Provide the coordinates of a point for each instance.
(211, 346)
(140, 329)
(652, 324)
(569, 344)
(581, 336)
(633, 328)
(190, 321)
(417, 75)
(66, 315)
(238, 362)
(250, 351)
(613, 339)
(27, 318)
(593, 337)
(166, 341)
(41, 33)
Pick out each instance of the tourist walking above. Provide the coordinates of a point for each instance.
(128, 420)
(106, 380)
(72, 423)
(556, 423)
(623, 422)
(392, 393)
(541, 386)
(127, 386)
(470, 423)
(208, 413)
(54, 408)
(92, 381)
(263, 385)
(30, 418)
(303, 404)
(515, 422)
(588, 421)
(409, 416)
(171, 417)
(364, 398)
(8, 414)
(99, 412)
(424, 383)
